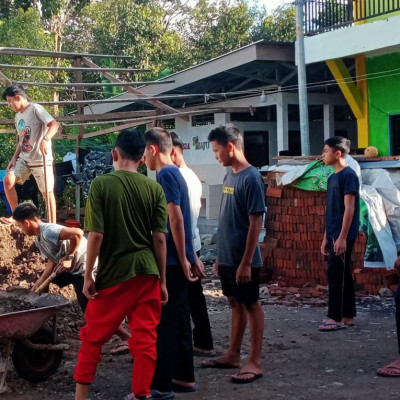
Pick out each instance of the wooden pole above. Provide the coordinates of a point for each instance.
(79, 96)
(130, 89)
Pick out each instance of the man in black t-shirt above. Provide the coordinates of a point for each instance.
(341, 230)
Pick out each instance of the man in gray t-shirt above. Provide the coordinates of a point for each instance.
(66, 246)
(33, 154)
(239, 258)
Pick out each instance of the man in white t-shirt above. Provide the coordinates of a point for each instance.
(202, 337)
(35, 128)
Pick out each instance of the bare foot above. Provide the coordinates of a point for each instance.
(183, 383)
(348, 321)
(224, 361)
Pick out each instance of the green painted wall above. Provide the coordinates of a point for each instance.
(383, 98)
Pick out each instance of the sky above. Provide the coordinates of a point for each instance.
(271, 4)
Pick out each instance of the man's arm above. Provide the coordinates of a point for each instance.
(160, 251)
(243, 273)
(95, 240)
(53, 128)
(178, 233)
(324, 245)
(13, 161)
(74, 235)
(46, 273)
(349, 206)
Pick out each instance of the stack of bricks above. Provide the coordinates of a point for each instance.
(295, 224)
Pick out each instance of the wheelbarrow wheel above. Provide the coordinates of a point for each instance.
(36, 365)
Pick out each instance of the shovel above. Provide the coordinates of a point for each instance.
(58, 268)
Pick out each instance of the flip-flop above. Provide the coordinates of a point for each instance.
(331, 326)
(120, 349)
(254, 376)
(185, 389)
(217, 364)
(155, 394)
(384, 371)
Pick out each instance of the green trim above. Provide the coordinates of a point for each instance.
(383, 99)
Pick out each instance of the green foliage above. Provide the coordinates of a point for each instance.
(280, 26)
(22, 29)
(214, 28)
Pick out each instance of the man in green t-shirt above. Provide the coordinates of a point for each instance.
(126, 216)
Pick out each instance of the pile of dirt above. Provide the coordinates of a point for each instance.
(21, 265)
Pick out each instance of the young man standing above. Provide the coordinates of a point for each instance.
(239, 258)
(126, 218)
(174, 371)
(341, 230)
(35, 128)
(202, 337)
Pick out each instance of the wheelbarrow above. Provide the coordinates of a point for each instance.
(29, 342)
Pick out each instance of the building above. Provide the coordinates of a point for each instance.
(360, 42)
(255, 87)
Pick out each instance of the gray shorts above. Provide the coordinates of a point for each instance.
(22, 171)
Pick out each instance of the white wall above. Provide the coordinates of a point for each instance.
(202, 160)
(376, 37)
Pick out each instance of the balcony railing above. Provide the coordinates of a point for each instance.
(327, 15)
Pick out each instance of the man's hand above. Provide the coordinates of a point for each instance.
(65, 264)
(215, 268)
(11, 164)
(187, 271)
(339, 246)
(89, 288)
(43, 147)
(397, 264)
(198, 268)
(243, 273)
(164, 294)
(325, 247)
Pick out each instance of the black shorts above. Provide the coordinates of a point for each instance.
(245, 293)
(65, 278)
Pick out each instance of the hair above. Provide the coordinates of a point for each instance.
(130, 144)
(14, 90)
(339, 143)
(160, 138)
(227, 133)
(176, 140)
(25, 211)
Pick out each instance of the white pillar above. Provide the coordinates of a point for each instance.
(282, 125)
(329, 121)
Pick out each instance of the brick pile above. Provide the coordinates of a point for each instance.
(295, 224)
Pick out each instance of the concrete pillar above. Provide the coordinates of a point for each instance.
(329, 120)
(282, 125)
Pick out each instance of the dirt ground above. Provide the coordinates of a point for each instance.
(298, 361)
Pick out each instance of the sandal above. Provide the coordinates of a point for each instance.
(254, 376)
(330, 326)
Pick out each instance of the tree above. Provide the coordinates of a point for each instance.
(213, 28)
(134, 28)
(23, 29)
(280, 26)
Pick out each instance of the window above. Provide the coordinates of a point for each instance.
(203, 119)
(256, 148)
(169, 123)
